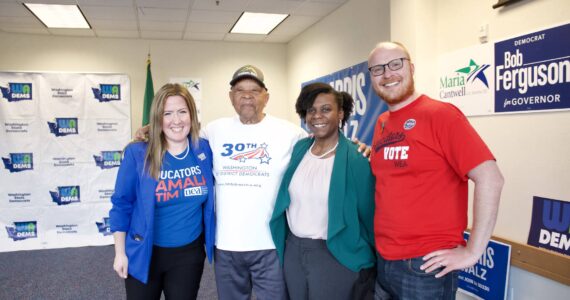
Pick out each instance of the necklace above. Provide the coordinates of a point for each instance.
(324, 154)
(185, 154)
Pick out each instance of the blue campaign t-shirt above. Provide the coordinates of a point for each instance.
(179, 196)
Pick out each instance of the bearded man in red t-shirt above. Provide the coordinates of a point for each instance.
(424, 152)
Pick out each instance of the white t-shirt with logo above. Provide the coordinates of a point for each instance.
(249, 162)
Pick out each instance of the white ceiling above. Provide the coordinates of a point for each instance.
(171, 19)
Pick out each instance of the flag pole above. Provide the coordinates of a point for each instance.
(148, 92)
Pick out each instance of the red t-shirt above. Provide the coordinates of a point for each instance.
(421, 155)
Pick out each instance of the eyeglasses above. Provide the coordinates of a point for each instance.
(395, 64)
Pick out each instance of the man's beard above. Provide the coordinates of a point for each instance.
(392, 99)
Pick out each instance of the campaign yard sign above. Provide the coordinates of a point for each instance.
(488, 278)
(550, 226)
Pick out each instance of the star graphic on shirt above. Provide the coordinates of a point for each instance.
(264, 146)
(264, 159)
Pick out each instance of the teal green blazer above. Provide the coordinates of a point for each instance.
(350, 235)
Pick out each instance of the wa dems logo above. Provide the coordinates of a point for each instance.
(18, 162)
(23, 230)
(243, 152)
(108, 159)
(63, 126)
(17, 91)
(104, 227)
(467, 80)
(107, 92)
(550, 227)
(64, 195)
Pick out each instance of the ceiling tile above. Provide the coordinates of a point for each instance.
(71, 32)
(210, 16)
(294, 25)
(329, 1)
(224, 5)
(273, 6)
(161, 26)
(162, 35)
(162, 14)
(26, 22)
(68, 2)
(113, 24)
(13, 10)
(239, 37)
(204, 36)
(25, 30)
(209, 27)
(320, 9)
(109, 12)
(164, 19)
(165, 3)
(105, 3)
(129, 34)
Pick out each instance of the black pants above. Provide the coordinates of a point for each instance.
(312, 272)
(176, 271)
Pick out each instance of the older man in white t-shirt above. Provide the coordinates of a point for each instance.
(251, 152)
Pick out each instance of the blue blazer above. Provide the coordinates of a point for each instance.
(133, 205)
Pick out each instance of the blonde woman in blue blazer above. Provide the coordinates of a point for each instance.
(322, 224)
(163, 204)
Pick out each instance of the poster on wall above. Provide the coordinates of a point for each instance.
(526, 73)
(61, 141)
(550, 225)
(355, 80)
(488, 278)
(194, 86)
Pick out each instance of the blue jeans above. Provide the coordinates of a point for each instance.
(403, 279)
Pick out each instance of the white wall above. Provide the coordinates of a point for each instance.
(342, 39)
(214, 62)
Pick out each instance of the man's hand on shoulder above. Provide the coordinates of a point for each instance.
(142, 134)
(362, 147)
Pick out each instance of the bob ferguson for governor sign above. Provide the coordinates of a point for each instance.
(527, 73)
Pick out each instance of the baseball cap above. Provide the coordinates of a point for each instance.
(248, 71)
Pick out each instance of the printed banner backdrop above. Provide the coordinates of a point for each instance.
(194, 86)
(368, 106)
(527, 73)
(61, 141)
(488, 278)
(550, 226)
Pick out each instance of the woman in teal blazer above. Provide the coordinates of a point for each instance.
(322, 224)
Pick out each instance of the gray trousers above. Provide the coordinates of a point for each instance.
(312, 272)
(237, 273)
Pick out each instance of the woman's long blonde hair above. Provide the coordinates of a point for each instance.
(157, 144)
